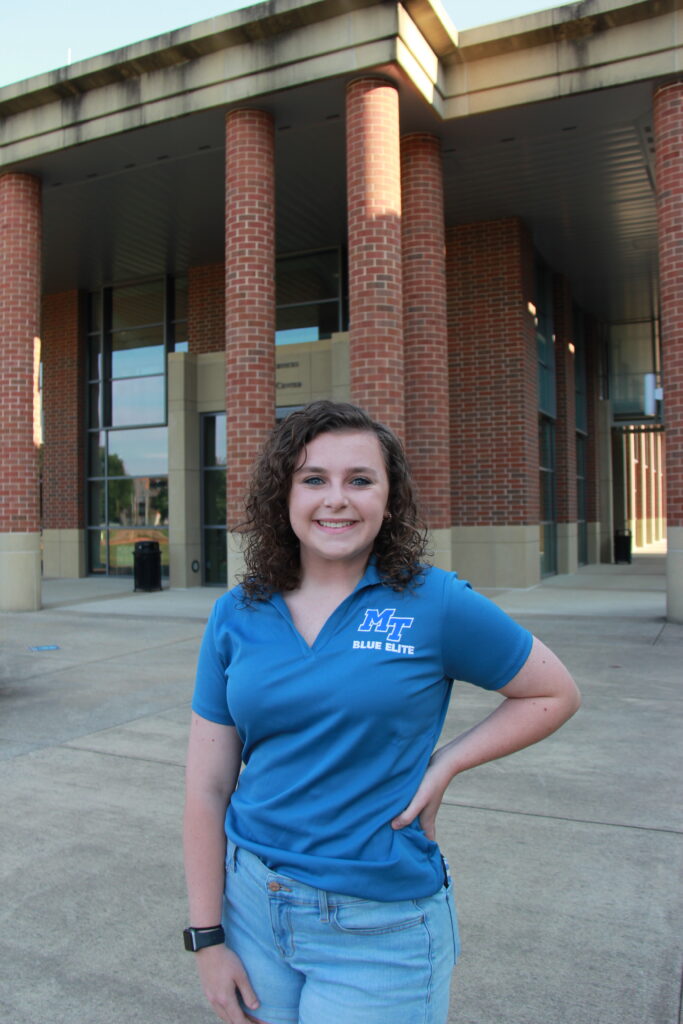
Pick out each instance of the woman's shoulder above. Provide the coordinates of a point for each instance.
(435, 586)
(233, 602)
(435, 579)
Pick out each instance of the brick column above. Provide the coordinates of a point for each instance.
(668, 132)
(374, 234)
(64, 445)
(249, 300)
(425, 334)
(493, 371)
(20, 241)
(206, 308)
(565, 429)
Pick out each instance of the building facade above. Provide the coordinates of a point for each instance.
(475, 236)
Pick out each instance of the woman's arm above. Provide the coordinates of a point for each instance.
(214, 757)
(540, 698)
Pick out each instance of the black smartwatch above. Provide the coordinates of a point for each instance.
(198, 938)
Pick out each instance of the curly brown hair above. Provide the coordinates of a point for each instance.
(271, 546)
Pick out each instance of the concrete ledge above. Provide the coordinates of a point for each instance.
(674, 574)
(20, 572)
(567, 547)
(497, 556)
(594, 542)
(64, 554)
(440, 547)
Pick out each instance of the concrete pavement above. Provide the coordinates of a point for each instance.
(567, 856)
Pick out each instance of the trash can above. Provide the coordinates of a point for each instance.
(147, 565)
(622, 546)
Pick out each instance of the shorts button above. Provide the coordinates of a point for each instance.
(274, 886)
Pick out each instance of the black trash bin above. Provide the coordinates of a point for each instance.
(147, 565)
(622, 546)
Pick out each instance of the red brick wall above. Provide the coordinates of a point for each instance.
(249, 295)
(374, 236)
(565, 384)
(206, 308)
(20, 241)
(668, 132)
(425, 333)
(493, 375)
(63, 412)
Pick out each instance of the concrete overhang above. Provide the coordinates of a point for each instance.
(546, 118)
(243, 57)
(251, 55)
(577, 48)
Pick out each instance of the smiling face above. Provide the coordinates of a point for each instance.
(338, 498)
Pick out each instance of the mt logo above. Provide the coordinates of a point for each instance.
(385, 621)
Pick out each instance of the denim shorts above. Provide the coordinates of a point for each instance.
(315, 956)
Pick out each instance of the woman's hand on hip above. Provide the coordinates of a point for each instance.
(222, 975)
(426, 802)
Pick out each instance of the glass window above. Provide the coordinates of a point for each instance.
(633, 351)
(97, 551)
(137, 304)
(545, 339)
(547, 525)
(141, 501)
(214, 498)
(96, 503)
(138, 452)
(137, 353)
(215, 440)
(581, 499)
(138, 400)
(309, 297)
(96, 453)
(580, 374)
(215, 556)
(308, 277)
(127, 498)
(306, 323)
(214, 532)
(95, 405)
(121, 502)
(95, 357)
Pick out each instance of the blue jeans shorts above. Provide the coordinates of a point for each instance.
(315, 956)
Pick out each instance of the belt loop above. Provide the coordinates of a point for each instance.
(324, 909)
(233, 856)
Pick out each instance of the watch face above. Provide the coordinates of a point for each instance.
(188, 939)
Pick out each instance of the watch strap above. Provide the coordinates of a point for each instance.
(198, 938)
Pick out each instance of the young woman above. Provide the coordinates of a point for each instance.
(317, 890)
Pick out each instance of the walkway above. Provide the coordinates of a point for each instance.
(567, 856)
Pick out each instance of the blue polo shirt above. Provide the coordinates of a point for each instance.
(337, 736)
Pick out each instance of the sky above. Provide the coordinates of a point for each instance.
(41, 35)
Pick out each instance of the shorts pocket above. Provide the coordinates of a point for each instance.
(369, 917)
(455, 931)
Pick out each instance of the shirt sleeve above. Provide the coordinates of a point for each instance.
(481, 643)
(210, 698)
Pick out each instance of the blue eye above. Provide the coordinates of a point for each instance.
(313, 480)
(361, 481)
